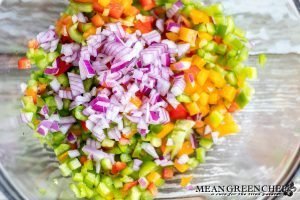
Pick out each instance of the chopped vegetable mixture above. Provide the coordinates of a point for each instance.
(130, 93)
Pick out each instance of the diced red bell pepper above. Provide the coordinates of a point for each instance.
(152, 189)
(97, 7)
(144, 27)
(116, 10)
(63, 66)
(83, 125)
(117, 167)
(24, 63)
(178, 113)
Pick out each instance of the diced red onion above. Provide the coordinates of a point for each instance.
(149, 149)
(178, 86)
(55, 85)
(174, 9)
(153, 36)
(183, 159)
(143, 182)
(26, 117)
(183, 49)
(73, 153)
(160, 25)
(65, 94)
(173, 27)
(71, 138)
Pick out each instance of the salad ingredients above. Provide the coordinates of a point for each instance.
(130, 93)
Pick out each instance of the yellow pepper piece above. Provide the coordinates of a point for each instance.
(229, 126)
(213, 98)
(166, 130)
(136, 101)
(153, 176)
(198, 61)
(104, 3)
(172, 36)
(203, 100)
(205, 36)
(188, 35)
(190, 89)
(214, 119)
(192, 108)
(181, 168)
(198, 17)
(202, 76)
(89, 32)
(228, 92)
(217, 78)
(185, 180)
(195, 97)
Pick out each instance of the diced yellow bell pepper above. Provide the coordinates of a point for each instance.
(198, 17)
(215, 118)
(188, 35)
(217, 78)
(203, 100)
(192, 108)
(104, 3)
(202, 76)
(172, 36)
(167, 128)
(228, 92)
(153, 176)
(136, 101)
(204, 110)
(191, 89)
(181, 168)
(213, 98)
(195, 96)
(185, 180)
(229, 126)
(199, 62)
(205, 36)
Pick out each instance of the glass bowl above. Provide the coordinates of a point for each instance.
(266, 151)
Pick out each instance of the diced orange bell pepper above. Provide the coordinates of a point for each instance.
(131, 11)
(213, 98)
(32, 93)
(144, 27)
(167, 173)
(204, 110)
(104, 3)
(89, 32)
(217, 78)
(33, 44)
(228, 92)
(187, 148)
(192, 108)
(129, 185)
(97, 20)
(167, 128)
(147, 4)
(117, 167)
(188, 35)
(202, 76)
(24, 63)
(153, 176)
(152, 189)
(181, 167)
(115, 9)
(136, 101)
(233, 107)
(199, 62)
(185, 180)
(198, 17)
(61, 158)
(172, 36)
(83, 159)
(41, 88)
(84, 1)
(203, 100)
(199, 124)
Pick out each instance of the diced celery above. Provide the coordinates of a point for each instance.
(88, 83)
(74, 164)
(211, 28)
(230, 25)
(52, 56)
(187, 9)
(108, 181)
(126, 179)
(108, 143)
(146, 168)
(106, 164)
(262, 59)
(124, 148)
(75, 190)
(160, 182)
(137, 151)
(200, 154)
(117, 183)
(214, 9)
(231, 78)
(127, 171)
(210, 46)
(90, 179)
(61, 149)
(178, 138)
(221, 49)
(242, 99)
(29, 104)
(125, 157)
(135, 194)
(220, 20)
(206, 143)
(183, 98)
(65, 170)
(78, 177)
(146, 195)
(209, 57)
(202, 28)
(115, 150)
(201, 53)
(215, 118)
(250, 72)
(193, 163)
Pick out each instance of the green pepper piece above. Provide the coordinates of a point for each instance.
(200, 154)
(75, 34)
(146, 168)
(78, 113)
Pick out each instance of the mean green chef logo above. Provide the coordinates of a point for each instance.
(248, 190)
